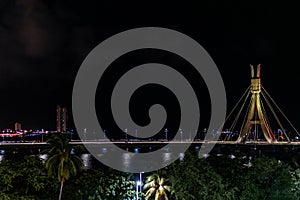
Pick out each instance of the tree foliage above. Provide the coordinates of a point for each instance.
(296, 182)
(264, 178)
(23, 179)
(100, 185)
(192, 178)
(157, 187)
(61, 163)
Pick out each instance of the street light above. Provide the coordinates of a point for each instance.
(104, 134)
(126, 134)
(141, 182)
(180, 130)
(138, 183)
(166, 131)
(84, 132)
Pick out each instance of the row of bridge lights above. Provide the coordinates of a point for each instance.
(166, 133)
(136, 133)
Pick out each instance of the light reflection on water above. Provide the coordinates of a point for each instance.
(86, 159)
(167, 157)
(127, 158)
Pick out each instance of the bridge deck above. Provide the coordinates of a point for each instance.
(151, 142)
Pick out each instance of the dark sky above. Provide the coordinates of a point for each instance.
(43, 43)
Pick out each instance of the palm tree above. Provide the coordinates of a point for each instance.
(157, 187)
(61, 163)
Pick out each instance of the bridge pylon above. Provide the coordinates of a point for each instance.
(255, 116)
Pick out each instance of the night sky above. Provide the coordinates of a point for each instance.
(43, 43)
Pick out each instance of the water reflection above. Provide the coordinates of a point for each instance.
(127, 158)
(167, 157)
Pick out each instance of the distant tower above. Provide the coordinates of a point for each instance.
(61, 119)
(255, 116)
(18, 126)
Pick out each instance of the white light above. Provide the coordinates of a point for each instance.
(249, 164)
(205, 155)
(138, 183)
(181, 156)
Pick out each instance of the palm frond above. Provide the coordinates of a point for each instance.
(61, 163)
(157, 185)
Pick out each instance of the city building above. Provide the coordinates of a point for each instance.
(61, 119)
(17, 126)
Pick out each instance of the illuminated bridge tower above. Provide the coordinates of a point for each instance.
(255, 116)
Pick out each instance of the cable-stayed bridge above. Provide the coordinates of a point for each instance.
(251, 124)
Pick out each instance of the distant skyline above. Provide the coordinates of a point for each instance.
(43, 43)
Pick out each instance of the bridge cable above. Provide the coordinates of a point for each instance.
(247, 113)
(274, 114)
(282, 112)
(240, 111)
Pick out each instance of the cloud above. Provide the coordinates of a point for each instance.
(31, 42)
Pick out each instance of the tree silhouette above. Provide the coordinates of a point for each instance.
(61, 163)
